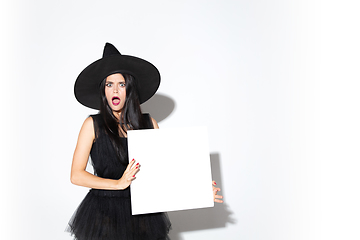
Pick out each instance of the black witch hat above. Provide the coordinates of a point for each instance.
(87, 85)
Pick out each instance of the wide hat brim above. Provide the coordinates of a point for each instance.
(87, 85)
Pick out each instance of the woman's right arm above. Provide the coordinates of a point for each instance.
(79, 175)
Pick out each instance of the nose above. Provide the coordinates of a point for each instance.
(116, 89)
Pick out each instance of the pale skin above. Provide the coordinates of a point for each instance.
(115, 92)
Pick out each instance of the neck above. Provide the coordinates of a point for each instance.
(117, 114)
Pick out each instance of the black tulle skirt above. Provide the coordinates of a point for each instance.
(106, 215)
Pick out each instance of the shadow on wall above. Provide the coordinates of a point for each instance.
(205, 218)
(159, 107)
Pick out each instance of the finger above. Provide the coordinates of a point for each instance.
(133, 172)
(135, 169)
(218, 199)
(131, 163)
(131, 176)
(218, 196)
(216, 189)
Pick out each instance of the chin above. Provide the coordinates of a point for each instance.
(117, 109)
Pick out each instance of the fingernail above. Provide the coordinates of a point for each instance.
(136, 167)
(133, 160)
(137, 164)
(214, 183)
(134, 176)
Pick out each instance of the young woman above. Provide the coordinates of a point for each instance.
(116, 85)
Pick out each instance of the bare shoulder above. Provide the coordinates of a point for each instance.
(89, 122)
(155, 124)
(87, 129)
(83, 146)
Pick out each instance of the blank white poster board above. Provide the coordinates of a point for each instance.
(175, 172)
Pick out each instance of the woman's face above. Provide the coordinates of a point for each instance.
(115, 91)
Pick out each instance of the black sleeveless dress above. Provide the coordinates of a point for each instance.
(106, 214)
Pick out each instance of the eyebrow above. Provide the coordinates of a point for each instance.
(111, 82)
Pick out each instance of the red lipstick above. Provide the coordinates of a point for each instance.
(115, 101)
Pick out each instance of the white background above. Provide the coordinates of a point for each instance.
(276, 82)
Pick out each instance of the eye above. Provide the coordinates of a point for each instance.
(108, 84)
(122, 84)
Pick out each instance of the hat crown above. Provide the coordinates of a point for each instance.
(109, 50)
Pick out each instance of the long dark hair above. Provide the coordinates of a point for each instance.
(130, 117)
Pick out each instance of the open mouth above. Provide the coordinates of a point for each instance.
(115, 101)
